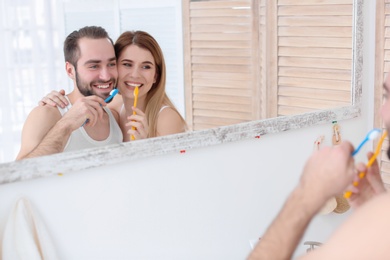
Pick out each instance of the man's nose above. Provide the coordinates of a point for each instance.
(104, 74)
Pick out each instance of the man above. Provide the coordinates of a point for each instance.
(328, 172)
(91, 63)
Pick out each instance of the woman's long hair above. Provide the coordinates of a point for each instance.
(156, 97)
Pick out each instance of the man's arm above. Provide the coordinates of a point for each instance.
(326, 174)
(285, 232)
(57, 98)
(37, 125)
(47, 132)
(53, 142)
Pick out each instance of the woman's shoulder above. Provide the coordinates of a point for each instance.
(163, 107)
(168, 113)
(170, 121)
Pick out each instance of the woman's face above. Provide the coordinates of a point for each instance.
(136, 66)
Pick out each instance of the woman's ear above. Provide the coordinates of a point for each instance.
(155, 77)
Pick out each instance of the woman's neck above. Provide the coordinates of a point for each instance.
(128, 103)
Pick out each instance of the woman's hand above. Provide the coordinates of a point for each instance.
(138, 125)
(369, 186)
(54, 98)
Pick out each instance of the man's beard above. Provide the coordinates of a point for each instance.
(83, 87)
(86, 89)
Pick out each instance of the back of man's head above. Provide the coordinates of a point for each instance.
(71, 47)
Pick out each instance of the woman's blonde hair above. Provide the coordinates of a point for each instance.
(156, 97)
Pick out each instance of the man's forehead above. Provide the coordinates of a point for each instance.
(97, 49)
(88, 43)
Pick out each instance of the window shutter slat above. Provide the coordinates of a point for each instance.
(314, 55)
(382, 66)
(220, 63)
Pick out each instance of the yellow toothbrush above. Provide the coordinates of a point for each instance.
(348, 194)
(135, 105)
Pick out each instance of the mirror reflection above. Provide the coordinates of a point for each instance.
(227, 61)
(251, 60)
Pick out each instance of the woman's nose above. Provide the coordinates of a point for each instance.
(134, 72)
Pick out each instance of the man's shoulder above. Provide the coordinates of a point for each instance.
(46, 110)
(382, 200)
(113, 113)
(45, 114)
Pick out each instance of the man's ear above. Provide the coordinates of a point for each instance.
(70, 70)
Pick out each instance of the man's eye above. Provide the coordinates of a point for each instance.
(112, 64)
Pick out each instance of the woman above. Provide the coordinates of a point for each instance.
(140, 62)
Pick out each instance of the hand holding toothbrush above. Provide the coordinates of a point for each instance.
(327, 172)
(372, 163)
(138, 125)
(85, 111)
(368, 187)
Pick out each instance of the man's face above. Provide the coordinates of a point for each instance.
(96, 72)
(385, 110)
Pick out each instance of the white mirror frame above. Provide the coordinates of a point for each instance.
(89, 158)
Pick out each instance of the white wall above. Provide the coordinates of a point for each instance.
(206, 203)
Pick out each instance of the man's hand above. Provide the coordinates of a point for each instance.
(328, 172)
(86, 108)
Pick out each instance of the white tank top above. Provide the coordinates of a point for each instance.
(79, 139)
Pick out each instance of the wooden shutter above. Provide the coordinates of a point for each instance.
(256, 59)
(220, 60)
(382, 67)
(314, 55)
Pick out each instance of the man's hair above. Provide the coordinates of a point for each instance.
(71, 44)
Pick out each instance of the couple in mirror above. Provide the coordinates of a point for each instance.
(82, 119)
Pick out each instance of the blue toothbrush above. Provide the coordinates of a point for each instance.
(370, 136)
(107, 100)
(111, 96)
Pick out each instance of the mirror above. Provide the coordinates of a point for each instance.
(252, 60)
(255, 125)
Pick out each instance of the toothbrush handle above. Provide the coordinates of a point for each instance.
(360, 146)
(348, 194)
(132, 138)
